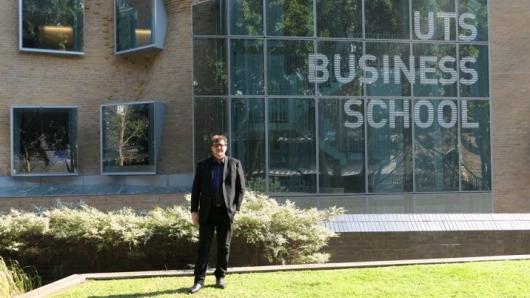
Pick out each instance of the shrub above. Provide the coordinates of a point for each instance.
(75, 239)
(283, 233)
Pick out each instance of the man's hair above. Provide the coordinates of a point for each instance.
(216, 138)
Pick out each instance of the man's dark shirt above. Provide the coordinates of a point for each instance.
(217, 183)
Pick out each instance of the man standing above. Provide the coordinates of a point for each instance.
(218, 189)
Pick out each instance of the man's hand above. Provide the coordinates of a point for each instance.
(195, 218)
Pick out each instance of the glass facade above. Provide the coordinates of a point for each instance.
(44, 141)
(347, 96)
(50, 25)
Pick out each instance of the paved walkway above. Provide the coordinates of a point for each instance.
(75, 279)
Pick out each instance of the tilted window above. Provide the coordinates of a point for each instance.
(54, 26)
(140, 26)
(130, 137)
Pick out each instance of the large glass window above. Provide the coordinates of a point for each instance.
(210, 119)
(475, 152)
(436, 70)
(44, 141)
(474, 71)
(209, 67)
(292, 141)
(288, 67)
(247, 74)
(290, 17)
(246, 17)
(389, 145)
(343, 70)
(248, 139)
(434, 19)
(474, 15)
(339, 18)
(134, 24)
(387, 19)
(341, 145)
(209, 17)
(435, 145)
(392, 73)
(128, 139)
(51, 25)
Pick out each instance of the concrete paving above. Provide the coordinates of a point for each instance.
(72, 280)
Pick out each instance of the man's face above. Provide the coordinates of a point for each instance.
(219, 149)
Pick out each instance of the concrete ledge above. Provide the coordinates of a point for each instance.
(439, 222)
(76, 279)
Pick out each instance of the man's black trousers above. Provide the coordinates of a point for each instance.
(219, 222)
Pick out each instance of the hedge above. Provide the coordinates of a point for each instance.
(76, 239)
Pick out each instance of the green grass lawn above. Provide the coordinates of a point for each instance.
(485, 279)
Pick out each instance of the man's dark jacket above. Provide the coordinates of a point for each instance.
(233, 187)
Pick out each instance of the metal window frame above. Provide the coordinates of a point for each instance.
(12, 139)
(41, 50)
(158, 30)
(158, 118)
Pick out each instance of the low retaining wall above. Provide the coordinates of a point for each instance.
(364, 237)
(372, 246)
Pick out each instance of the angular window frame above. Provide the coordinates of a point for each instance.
(158, 30)
(44, 50)
(12, 139)
(158, 125)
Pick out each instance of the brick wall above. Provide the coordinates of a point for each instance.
(510, 76)
(377, 246)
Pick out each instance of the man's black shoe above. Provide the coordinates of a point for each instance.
(196, 287)
(220, 283)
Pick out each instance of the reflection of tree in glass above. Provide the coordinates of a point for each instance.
(387, 19)
(247, 67)
(481, 87)
(480, 10)
(290, 17)
(390, 154)
(434, 6)
(65, 21)
(247, 19)
(379, 50)
(435, 50)
(248, 136)
(288, 67)
(436, 153)
(126, 133)
(339, 18)
(344, 49)
(476, 162)
(210, 67)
